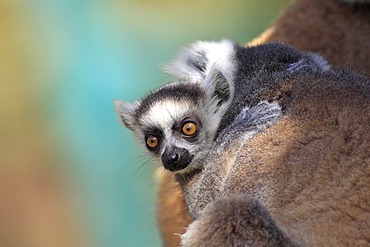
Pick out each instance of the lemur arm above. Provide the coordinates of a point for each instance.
(235, 221)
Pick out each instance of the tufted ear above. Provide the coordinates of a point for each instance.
(126, 112)
(194, 62)
(217, 87)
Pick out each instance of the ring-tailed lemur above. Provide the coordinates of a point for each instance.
(219, 85)
(303, 181)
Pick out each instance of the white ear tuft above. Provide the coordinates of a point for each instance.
(126, 112)
(194, 62)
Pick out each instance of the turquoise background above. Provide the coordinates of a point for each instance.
(88, 53)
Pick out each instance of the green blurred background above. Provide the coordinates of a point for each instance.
(70, 174)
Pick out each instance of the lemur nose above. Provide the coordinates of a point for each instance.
(175, 159)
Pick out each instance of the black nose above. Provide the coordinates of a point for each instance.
(175, 159)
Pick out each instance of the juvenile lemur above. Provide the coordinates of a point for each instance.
(270, 145)
(180, 121)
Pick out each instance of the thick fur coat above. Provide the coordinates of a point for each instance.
(327, 122)
(310, 171)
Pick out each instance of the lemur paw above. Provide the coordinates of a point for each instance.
(234, 221)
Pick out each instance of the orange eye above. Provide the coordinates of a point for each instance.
(152, 141)
(189, 128)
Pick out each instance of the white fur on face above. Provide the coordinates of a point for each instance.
(163, 113)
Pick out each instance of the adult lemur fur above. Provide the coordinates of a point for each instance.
(270, 145)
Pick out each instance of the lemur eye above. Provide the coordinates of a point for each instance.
(152, 142)
(189, 128)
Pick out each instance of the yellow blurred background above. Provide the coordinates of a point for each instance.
(70, 175)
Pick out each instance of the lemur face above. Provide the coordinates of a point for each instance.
(174, 131)
(178, 122)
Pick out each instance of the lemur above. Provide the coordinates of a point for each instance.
(335, 29)
(269, 144)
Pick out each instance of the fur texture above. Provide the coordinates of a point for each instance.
(244, 221)
(290, 159)
(325, 120)
(334, 29)
(321, 200)
(340, 36)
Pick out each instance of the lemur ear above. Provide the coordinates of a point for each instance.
(194, 62)
(126, 111)
(217, 87)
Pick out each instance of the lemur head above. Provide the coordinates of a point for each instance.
(177, 123)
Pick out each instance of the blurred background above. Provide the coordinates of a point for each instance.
(70, 174)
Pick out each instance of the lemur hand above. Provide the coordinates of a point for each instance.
(235, 221)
